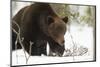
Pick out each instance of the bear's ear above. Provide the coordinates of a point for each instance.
(65, 19)
(50, 19)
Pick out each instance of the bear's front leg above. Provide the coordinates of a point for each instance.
(38, 48)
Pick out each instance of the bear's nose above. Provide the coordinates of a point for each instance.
(63, 42)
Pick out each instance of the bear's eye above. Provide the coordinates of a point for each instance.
(50, 19)
(65, 19)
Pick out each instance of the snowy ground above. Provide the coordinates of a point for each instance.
(82, 36)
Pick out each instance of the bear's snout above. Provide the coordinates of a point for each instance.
(63, 41)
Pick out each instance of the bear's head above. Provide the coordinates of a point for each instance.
(57, 29)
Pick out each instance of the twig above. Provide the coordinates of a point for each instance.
(29, 52)
(73, 44)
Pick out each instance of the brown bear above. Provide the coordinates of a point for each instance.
(40, 24)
